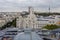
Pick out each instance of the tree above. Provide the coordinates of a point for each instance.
(14, 22)
(51, 27)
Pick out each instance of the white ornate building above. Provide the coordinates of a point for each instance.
(27, 20)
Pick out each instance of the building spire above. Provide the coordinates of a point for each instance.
(30, 10)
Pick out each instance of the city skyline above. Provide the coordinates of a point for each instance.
(38, 5)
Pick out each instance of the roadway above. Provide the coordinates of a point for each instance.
(12, 32)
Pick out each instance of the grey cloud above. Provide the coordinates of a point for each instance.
(20, 4)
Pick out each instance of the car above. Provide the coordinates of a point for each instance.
(46, 39)
(7, 38)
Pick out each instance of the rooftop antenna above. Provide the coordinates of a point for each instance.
(49, 9)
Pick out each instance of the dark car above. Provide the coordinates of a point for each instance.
(46, 39)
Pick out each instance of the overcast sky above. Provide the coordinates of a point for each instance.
(38, 5)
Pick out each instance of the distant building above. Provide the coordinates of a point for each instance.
(2, 22)
(7, 17)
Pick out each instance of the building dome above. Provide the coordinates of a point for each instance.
(27, 36)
